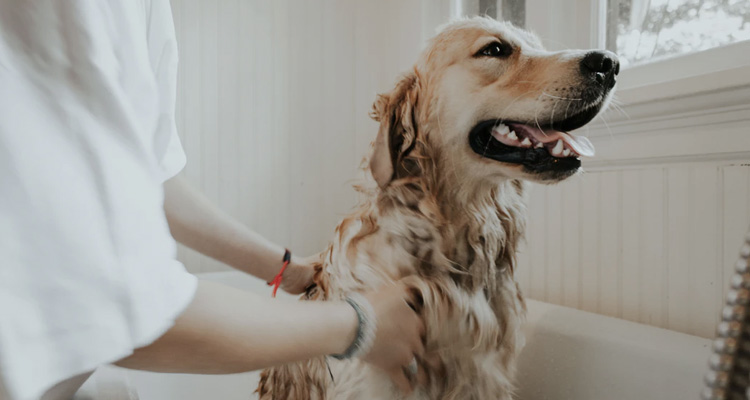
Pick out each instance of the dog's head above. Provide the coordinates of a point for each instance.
(493, 103)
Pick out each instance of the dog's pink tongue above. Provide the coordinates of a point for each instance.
(580, 144)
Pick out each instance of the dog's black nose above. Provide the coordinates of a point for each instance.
(602, 66)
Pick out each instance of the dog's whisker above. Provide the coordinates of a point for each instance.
(527, 81)
(617, 106)
(560, 97)
(554, 105)
(566, 111)
(536, 115)
(609, 130)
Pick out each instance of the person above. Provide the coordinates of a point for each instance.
(89, 205)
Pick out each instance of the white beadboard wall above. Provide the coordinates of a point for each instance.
(651, 230)
(273, 106)
(272, 110)
(654, 244)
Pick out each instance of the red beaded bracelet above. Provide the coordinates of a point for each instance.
(276, 282)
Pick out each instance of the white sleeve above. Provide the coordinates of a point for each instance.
(162, 47)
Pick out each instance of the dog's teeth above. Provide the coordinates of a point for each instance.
(501, 129)
(557, 150)
(526, 142)
(539, 145)
(512, 135)
(566, 153)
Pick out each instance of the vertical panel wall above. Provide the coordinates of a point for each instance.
(273, 106)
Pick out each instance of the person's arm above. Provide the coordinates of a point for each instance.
(195, 222)
(226, 330)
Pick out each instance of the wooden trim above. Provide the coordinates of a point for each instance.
(739, 158)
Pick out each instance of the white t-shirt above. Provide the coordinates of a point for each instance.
(87, 137)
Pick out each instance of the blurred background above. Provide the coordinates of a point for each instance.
(273, 109)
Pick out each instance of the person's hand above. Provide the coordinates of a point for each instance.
(399, 336)
(298, 275)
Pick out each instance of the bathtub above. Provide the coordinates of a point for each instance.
(569, 355)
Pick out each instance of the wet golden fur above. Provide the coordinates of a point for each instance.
(442, 217)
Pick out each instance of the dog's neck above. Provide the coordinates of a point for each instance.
(480, 223)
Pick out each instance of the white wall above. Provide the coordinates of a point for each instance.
(273, 105)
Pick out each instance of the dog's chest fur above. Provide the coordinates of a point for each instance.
(460, 257)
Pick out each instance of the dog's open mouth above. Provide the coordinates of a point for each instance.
(537, 148)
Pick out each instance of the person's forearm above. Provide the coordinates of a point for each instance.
(225, 330)
(198, 224)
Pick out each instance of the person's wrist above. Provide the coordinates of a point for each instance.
(279, 277)
(346, 324)
(269, 273)
(269, 263)
(366, 327)
(288, 272)
(268, 270)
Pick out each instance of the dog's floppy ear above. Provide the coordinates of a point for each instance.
(398, 129)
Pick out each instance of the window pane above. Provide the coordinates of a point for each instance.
(506, 10)
(642, 30)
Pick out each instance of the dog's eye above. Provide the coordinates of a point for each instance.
(496, 49)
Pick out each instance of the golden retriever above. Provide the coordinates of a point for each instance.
(484, 109)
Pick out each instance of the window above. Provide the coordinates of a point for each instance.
(508, 10)
(647, 30)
